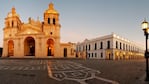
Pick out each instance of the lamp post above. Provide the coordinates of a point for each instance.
(145, 28)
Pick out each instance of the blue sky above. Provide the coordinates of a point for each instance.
(82, 19)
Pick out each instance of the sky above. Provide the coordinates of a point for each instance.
(81, 19)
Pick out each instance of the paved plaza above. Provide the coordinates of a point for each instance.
(71, 71)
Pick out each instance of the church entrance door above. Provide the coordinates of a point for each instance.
(10, 48)
(65, 52)
(50, 47)
(29, 46)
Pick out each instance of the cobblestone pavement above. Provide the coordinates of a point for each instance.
(66, 71)
(122, 71)
(24, 71)
(23, 65)
(60, 70)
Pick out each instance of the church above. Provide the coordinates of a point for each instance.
(35, 38)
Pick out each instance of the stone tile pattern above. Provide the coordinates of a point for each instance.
(21, 65)
(67, 70)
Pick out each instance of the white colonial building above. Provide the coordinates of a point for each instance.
(111, 47)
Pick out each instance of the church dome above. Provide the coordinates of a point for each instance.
(12, 13)
(51, 9)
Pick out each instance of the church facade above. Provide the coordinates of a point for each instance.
(35, 38)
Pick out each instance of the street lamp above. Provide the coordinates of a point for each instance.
(145, 28)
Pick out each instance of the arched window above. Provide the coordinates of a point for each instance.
(12, 23)
(54, 21)
(108, 44)
(89, 47)
(86, 47)
(101, 45)
(120, 45)
(48, 20)
(101, 55)
(123, 46)
(95, 46)
(116, 44)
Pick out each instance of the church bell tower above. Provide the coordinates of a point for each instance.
(12, 23)
(11, 28)
(51, 22)
(51, 28)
